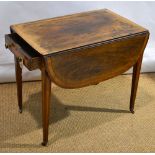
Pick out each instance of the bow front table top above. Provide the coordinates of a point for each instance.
(77, 50)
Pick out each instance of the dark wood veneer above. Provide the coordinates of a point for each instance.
(77, 50)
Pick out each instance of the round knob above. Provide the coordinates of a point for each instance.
(6, 46)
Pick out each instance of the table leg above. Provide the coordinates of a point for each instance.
(18, 72)
(135, 79)
(46, 95)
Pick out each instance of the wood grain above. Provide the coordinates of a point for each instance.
(74, 31)
(85, 67)
(76, 51)
(31, 59)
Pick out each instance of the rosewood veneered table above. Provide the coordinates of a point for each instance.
(77, 50)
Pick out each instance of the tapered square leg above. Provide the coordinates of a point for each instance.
(46, 95)
(135, 76)
(18, 72)
(135, 79)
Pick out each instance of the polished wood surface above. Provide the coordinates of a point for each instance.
(74, 31)
(76, 51)
(31, 59)
(95, 64)
(18, 73)
(136, 74)
(46, 96)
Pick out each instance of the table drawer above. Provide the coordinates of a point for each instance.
(26, 54)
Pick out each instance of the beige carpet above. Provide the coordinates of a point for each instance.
(90, 119)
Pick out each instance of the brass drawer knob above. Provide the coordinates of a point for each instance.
(9, 45)
(6, 46)
(20, 61)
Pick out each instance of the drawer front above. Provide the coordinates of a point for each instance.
(95, 64)
(23, 51)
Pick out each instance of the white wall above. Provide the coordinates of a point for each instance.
(16, 12)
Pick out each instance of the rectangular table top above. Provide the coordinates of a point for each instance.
(74, 31)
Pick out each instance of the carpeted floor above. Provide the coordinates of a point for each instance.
(90, 119)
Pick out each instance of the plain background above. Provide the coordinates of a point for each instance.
(17, 12)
